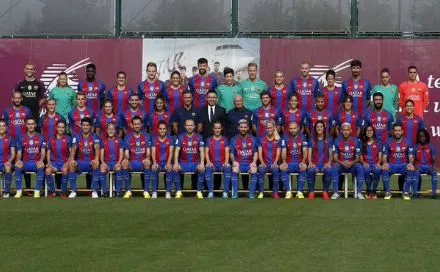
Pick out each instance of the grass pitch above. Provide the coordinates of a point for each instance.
(218, 235)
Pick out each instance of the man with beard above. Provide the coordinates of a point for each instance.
(380, 119)
(201, 83)
(93, 89)
(358, 88)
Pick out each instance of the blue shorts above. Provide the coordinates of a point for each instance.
(57, 165)
(189, 166)
(244, 167)
(2, 167)
(111, 165)
(29, 167)
(84, 166)
(136, 166)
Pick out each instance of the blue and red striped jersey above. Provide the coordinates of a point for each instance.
(360, 90)
(397, 152)
(371, 152)
(16, 121)
(137, 146)
(85, 146)
(320, 150)
(129, 114)
(95, 93)
(280, 97)
(162, 148)
(316, 115)
(333, 99)
(294, 148)
(153, 122)
(297, 117)
(243, 148)
(174, 98)
(347, 150)
(200, 86)
(410, 127)
(306, 90)
(31, 147)
(269, 148)
(59, 148)
(112, 148)
(382, 122)
(119, 98)
(217, 149)
(103, 120)
(262, 115)
(423, 155)
(189, 147)
(6, 144)
(148, 92)
(349, 117)
(75, 117)
(48, 125)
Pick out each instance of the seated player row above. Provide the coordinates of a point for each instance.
(85, 152)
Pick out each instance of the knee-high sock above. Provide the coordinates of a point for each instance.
(8, 180)
(386, 181)
(154, 180)
(118, 181)
(285, 180)
(200, 177)
(433, 181)
(376, 178)
(301, 180)
(147, 179)
(408, 182)
(64, 178)
(50, 183)
(103, 181)
(209, 174)
(253, 184)
(169, 176)
(40, 178)
(126, 177)
(261, 173)
(335, 181)
(368, 181)
(276, 180)
(327, 179)
(227, 179)
(234, 181)
(177, 181)
(414, 179)
(18, 178)
(72, 181)
(95, 180)
(311, 180)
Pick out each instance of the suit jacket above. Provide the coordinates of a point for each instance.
(219, 115)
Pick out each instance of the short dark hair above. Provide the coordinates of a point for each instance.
(409, 100)
(211, 91)
(31, 118)
(86, 120)
(162, 122)
(347, 97)
(412, 67)
(217, 62)
(228, 70)
(397, 124)
(385, 70)
(151, 64)
(175, 72)
(320, 95)
(217, 122)
(121, 73)
(190, 119)
(3, 121)
(133, 94)
(377, 94)
(91, 65)
(195, 68)
(183, 68)
(62, 121)
(136, 117)
(187, 92)
(356, 62)
(263, 93)
(80, 94)
(201, 61)
(330, 72)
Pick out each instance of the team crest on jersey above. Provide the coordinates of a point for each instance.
(17, 115)
(379, 118)
(138, 143)
(304, 84)
(190, 144)
(31, 142)
(193, 114)
(90, 88)
(398, 149)
(151, 88)
(266, 114)
(29, 87)
(81, 116)
(245, 116)
(252, 88)
(295, 145)
(202, 84)
(86, 143)
(346, 148)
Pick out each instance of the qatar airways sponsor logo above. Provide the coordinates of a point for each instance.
(304, 92)
(295, 151)
(32, 150)
(355, 93)
(17, 122)
(399, 155)
(244, 152)
(190, 150)
(138, 150)
(201, 91)
(92, 95)
(380, 126)
(151, 95)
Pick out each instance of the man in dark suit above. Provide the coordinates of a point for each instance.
(209, 114)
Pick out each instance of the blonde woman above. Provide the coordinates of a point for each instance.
(269, 151)
(63, 95)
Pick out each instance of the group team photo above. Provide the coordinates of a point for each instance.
(220, 131)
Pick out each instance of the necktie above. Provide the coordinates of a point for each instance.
(211, 114)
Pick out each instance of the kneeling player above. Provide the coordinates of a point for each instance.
(84, 157)
(346, 152)
(111, 155)
(269, 152)
(294, 155)
(395, 161)
(58, 152)
(217, 160)
(189, 156)
(7, 155)
(162, 148)
(424, 157)
(30, 157)
(320, 160)
(137, 156)
(244, 158)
